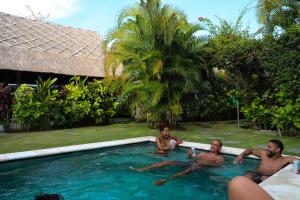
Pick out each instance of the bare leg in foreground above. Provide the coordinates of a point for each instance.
(241, 188)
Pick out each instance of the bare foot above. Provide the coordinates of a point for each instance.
(136, 169)
(160, 182)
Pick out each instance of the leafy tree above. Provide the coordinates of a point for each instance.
(263, 69)
(282, 13)
(280, 59)
(212, 101)
(160, 55)
(234, 50)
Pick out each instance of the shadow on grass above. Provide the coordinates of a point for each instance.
(202, 125)
(245, 127)
(230, 122)
(179, 127)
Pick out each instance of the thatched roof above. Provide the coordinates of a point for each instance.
(40, 46)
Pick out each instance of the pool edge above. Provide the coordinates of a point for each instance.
(89, 146)
(68, 149)
(282, 178)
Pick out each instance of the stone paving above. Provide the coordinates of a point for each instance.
(296, 150)
(205, 133)
(261, 146)
(232, 142)
(228, 133)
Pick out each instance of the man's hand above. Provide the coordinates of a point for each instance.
(238, 160)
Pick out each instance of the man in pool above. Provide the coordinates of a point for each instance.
(213, 158)
(165, 142)
(271, 161)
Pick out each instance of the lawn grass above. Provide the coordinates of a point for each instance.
(202, 132)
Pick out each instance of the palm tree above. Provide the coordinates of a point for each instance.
(160, 55)
(283, 13)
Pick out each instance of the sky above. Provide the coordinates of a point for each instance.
(101, 15)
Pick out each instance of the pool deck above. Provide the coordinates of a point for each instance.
(283, 185)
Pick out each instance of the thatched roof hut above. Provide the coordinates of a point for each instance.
(41, 47)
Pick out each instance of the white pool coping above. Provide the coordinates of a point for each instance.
(283, 185)
(68, 149)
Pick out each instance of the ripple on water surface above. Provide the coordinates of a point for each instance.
(106, 174)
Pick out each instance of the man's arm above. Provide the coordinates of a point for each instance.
(182, 173)
(290, 159)
(178, 141)
(198, 156)
(247, 152)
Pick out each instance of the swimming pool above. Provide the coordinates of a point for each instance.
(105, 174)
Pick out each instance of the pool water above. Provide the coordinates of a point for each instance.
(106, 174)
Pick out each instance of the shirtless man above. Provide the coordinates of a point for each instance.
(213, 158)
(271, 161)
(165, 142)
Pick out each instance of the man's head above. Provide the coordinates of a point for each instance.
(216, 146)
(274, 147)
(164, 131)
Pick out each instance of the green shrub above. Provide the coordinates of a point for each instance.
(33, 106)
(275, 111)
(24, 109)
(103, 102)
(286, 118)
(76, 103)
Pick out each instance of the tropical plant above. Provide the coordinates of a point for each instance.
(234, 50)
(282, 13)
(46, 96)
(104, 103)
(34, 106)
(225, 28)
(24, 109)
(160, 55)
(286, 115)
(76, 103)
(213, 102)
(260, 68)
(280, 59)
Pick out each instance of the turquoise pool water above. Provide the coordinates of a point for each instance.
(105, 174)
